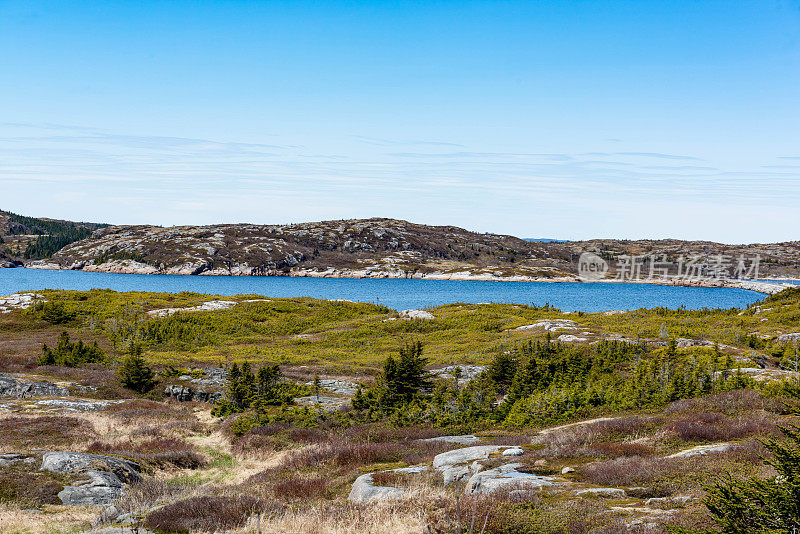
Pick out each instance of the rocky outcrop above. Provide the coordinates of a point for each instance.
(364, 489)
(466, 373)
(185, 394)
(459, 464)
(550, 326)
(464, 439)
(417, 314)
(18, 301)
(506, 477)
(702, 450)
(102, 478)
(12, 458)
(20, 389)
(339, 387)
(789, 338)
(211, 305)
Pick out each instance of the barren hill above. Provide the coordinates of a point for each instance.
(369, 247)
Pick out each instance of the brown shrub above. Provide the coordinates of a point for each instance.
(206, 514)
(729, 402)
(345, 454)
(381, 432)
(615, 449)
(667, 475)
(160, 453)
(170, 429)
(301, 488)
(718, 427)
(578, 440)
(56, 431)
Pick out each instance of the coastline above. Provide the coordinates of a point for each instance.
(769, 287)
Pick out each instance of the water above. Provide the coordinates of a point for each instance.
(399, 294)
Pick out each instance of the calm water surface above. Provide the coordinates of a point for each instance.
(395, 293)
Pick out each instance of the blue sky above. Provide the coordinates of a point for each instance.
(571, 119)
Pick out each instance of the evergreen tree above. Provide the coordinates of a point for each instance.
(762, 506)
(134, 373)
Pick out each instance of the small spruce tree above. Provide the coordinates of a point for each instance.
(134, 373)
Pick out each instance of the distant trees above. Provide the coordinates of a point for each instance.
(134, 373)
(52, 235)
(402, 381)
(70, 354)
(254, 391)
(54, 312)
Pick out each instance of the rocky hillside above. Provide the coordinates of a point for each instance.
(30, 238)
(353, 248)
(370, 247)
(777, 260)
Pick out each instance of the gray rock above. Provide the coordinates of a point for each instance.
(467, 372)
(416, 314)
(603, 493)
(506, 477)
(701, 450)
(101, 488)
(109, 515)
(364, 490)
(786, 338)
(465, 455)
(515, 451)
(669, 501)
(340, 387)
(567, 470)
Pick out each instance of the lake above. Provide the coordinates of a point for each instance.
(399, 294)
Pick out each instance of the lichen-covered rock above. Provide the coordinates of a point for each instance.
(20, 389)
(73, 462)
(185, 394)
(416, 314)
(506, 477)
(101, 488)
(364, 490)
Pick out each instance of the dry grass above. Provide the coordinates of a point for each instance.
(53, 520)
(154, 453)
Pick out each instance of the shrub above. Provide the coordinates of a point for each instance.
(301, 488)
(54, 312)
(206, 514)
(717, 427)
(160, 453)
(43, 431)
